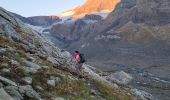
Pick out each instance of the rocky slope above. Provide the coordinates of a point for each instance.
(32, 68)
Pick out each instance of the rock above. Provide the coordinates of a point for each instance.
(5, 65)
(45, 67)
(7, 81)
(120, 77)
(13, 91)
(53, 61)
(14, 63)
(27, 80)
(2, 50)
(29, 92)
(115, 86)
(31, 67)
(58, 98)
(39, 88)
(1, 85)
(29, 58)
(93, 92)
(57, 79)
(51, 83)
(4, 95)
(93, 17)
(5, 70)
(142, 94)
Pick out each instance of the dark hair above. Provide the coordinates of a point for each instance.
(76, 51)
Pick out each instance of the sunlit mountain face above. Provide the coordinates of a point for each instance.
(92, 7)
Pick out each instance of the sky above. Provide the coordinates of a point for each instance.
(29, 8)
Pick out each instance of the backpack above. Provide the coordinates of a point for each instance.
(82, 58)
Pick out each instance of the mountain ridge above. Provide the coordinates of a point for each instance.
(91, 7)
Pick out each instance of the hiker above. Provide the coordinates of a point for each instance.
(79, 58)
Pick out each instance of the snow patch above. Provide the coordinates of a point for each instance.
(66, 14)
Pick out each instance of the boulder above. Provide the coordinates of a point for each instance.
(120, 77)
(57, 79)
(27, 80)
(14, 63)
(4, 65)
(31, 67)
(29, 58)
(51, 83)
(28, 91)
(4, 95)
(2, 50)
(39, 88)
(5, 70)
(7, 81)
(142, 94)
(13, 91)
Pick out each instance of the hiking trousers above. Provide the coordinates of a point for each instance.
(79, 68)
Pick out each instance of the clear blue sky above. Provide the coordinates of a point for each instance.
(39, 7)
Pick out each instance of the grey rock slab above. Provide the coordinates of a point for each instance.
(7, 81)
(29, 92)
(142, 94)
(4, 95)
(120, 77)
(13, 91)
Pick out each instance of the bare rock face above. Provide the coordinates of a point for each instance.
(93, 6)
(68, 31)
(93, 17)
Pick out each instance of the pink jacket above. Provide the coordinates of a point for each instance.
(77, 57)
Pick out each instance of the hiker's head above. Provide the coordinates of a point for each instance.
(76, 51)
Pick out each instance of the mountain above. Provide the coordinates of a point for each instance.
(32, 68)
(74, 21)
(92, 6)
(66, 28)
(43, 21)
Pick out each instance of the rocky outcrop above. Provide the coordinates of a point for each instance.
(120, 77)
